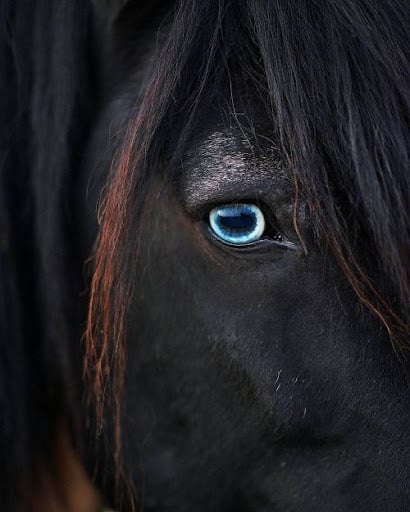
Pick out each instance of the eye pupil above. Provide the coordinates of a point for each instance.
(240, 221)
(239, 224)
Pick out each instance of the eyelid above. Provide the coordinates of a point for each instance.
(261, 249)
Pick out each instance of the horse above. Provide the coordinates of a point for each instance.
(205, 231)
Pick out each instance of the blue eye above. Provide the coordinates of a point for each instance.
(237, 224)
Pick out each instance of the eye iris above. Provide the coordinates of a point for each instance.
(237, 224)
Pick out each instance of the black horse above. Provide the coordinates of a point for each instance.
(217, 193)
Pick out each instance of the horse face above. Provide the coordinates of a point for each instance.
(254, 379)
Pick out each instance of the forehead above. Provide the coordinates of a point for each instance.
(232, 151)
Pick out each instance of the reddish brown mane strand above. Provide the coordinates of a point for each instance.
(110, 291)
